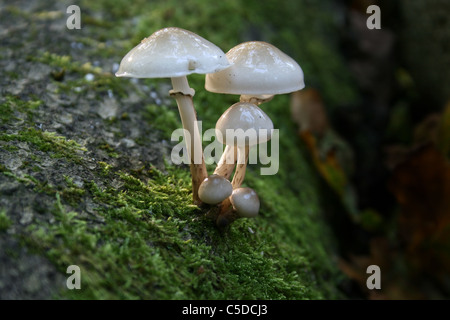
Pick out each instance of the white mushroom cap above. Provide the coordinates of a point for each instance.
(214, 189)
(244, 118)
(258, 68)
(172, 52)
(246, 202)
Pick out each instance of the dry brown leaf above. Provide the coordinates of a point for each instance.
(329, 167)
(427, 130)
(308, 111)
(443, 132)
(395, 154)
(421, 186)
(331, 154)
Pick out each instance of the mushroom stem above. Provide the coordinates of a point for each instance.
(183, 95)
(227, 214)
(256, 99)
(225, 206)
(227, 162)
(238, 178)
(239, 174)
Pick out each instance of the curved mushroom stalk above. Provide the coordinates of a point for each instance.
(241, 166)
(227, 162)
(227, 216)
(226, 213)
(250, 126)
(183, 95)
(228, 159)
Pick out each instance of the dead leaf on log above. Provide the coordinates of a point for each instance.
(331, 154)
(328, 167)
(421, 186)
(443, 135)
(308, 111)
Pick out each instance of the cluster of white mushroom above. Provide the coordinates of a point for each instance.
(254, 70)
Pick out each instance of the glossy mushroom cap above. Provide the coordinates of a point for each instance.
(243, 119)
(258, 68)
(214, 189)
(172, 52)
(246, 202)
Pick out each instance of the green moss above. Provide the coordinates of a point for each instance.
(163, 118)
(5, 221)
(109, 150)
(14, 108)
(102, 81)
(9, 147)
(14, 11)
(154, 244)
(55, 60)
(5, 112)
(12, 74)
(105, 169)
(39, 186)
(58, 146)
(72, 194)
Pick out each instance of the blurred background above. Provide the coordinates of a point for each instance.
(374, 117)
